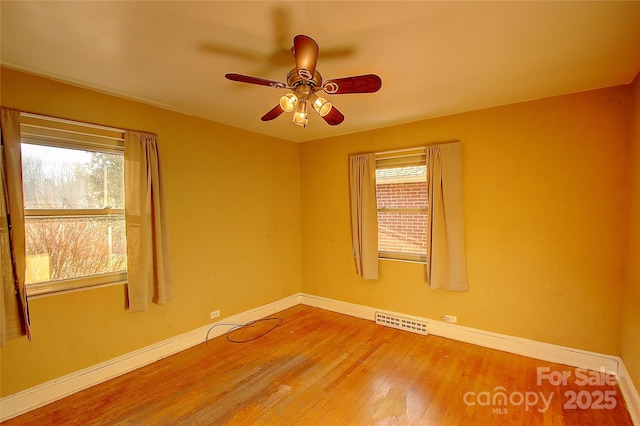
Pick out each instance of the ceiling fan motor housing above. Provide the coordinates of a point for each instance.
(294, 80)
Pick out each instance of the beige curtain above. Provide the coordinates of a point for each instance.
(364, 214)
(14, 317)
(446, 267)
(149, 271)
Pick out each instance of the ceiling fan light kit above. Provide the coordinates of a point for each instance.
(304, 81)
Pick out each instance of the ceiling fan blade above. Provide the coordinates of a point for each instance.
(255, 80)
(305, 50)
(273, 113)
(368, 83)
(334, 117)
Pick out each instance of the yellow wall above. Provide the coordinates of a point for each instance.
(254, 219)
(630, 331)
(234, 221)
(545, 201)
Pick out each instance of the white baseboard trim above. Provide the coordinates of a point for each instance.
(45, 393)
(503, 342)
(525, 347)
(630, 393)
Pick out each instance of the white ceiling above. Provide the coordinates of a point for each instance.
(435, 58)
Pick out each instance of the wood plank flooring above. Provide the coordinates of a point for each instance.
(323, 368)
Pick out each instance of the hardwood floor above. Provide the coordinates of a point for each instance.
(323, 368)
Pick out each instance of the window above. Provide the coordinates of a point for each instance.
(401, 194)
(73, 186)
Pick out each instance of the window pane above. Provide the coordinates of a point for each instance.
(71, 247)
(402, 227)
(400, 232)
(64, 178)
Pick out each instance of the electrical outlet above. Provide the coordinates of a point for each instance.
(215, 314)
(449, 318)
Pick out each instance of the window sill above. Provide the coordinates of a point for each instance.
(37, 291)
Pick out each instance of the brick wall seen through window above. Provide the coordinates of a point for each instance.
(402, 218)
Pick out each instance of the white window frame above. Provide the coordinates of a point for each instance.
(394, 159)
(55, 132)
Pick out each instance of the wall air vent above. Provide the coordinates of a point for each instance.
(401, 323)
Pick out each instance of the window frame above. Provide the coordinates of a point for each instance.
(61, 133)
(395, 159)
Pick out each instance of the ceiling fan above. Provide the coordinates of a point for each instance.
(304, 81)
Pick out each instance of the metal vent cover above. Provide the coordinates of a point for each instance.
(401, 323)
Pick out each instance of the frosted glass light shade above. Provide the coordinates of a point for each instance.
(321, 105)
(300, 117)
(288, 102)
